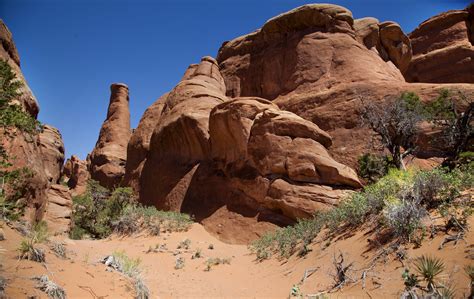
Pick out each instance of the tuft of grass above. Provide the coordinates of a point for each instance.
(179, 264)
(197, 254)
(185, 244)
(130, 267)
(53, 290)
(211, 262)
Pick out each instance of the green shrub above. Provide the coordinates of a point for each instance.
(373, 167)
(9, 84)
(399, 201)
(429, 268)
(99, 212)
(14, 116)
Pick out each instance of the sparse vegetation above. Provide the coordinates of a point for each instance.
(398, 201)
(215, 261)
(53, 290)
(99, 212)
(130, 267)
(185, 244)
(179, 264)
(197, 254)
(28, 249)
(59, 249)
(373, 167)
(12, 115)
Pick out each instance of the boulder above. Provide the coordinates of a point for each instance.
(443, 49)
(110, 152)
(58, 210)
(52, 151)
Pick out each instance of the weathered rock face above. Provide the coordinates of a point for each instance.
(22, 148)
(443, 49)
(139, 143)
(58, 209)
(181, 138)
(319, 63)
(110, 152)
(9, 53)
(52, 151)
(77, 174)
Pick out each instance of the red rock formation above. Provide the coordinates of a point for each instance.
(319, 63)
(58, 209)
(22, 148)
(110, 153)
(76, 172)
(52, 151)
(443, 49)
(9, 53)
(139, 143)
(209, 156)
(181, 138)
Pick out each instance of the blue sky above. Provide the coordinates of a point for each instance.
(71, 51)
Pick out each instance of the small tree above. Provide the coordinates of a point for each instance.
(9, 84)
(456, 124)
(396, 122)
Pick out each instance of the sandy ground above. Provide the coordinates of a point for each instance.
(83, 276)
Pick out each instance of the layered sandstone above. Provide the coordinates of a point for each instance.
(58, 209)
(109, 155)
(52, 151)
(443, 49)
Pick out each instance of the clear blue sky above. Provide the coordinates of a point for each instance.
(71, 51)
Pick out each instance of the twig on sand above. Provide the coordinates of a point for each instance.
(308, 273)
(93, 294)
(455, 239)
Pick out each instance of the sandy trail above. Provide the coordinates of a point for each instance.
(84, 277)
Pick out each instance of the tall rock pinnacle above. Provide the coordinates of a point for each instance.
(110, 153)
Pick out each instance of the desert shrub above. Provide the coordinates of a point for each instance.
(469, 270)
(399, 201)
(53, 290)
(136, 217)
(185, 244)
(97, 209)
(28, 249)
(373, 167)
(13, 189)
(130, 267)
(211, 262)
(404, 218)
(59, 249)
(179, 264)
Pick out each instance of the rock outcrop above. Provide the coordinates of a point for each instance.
(58, 209)
(443, 49)
(139, 143)
(181, 139)
(76, 173)
(109, 155)
(319, 63)
(21, 147)
(209, 155)
(52, 151)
